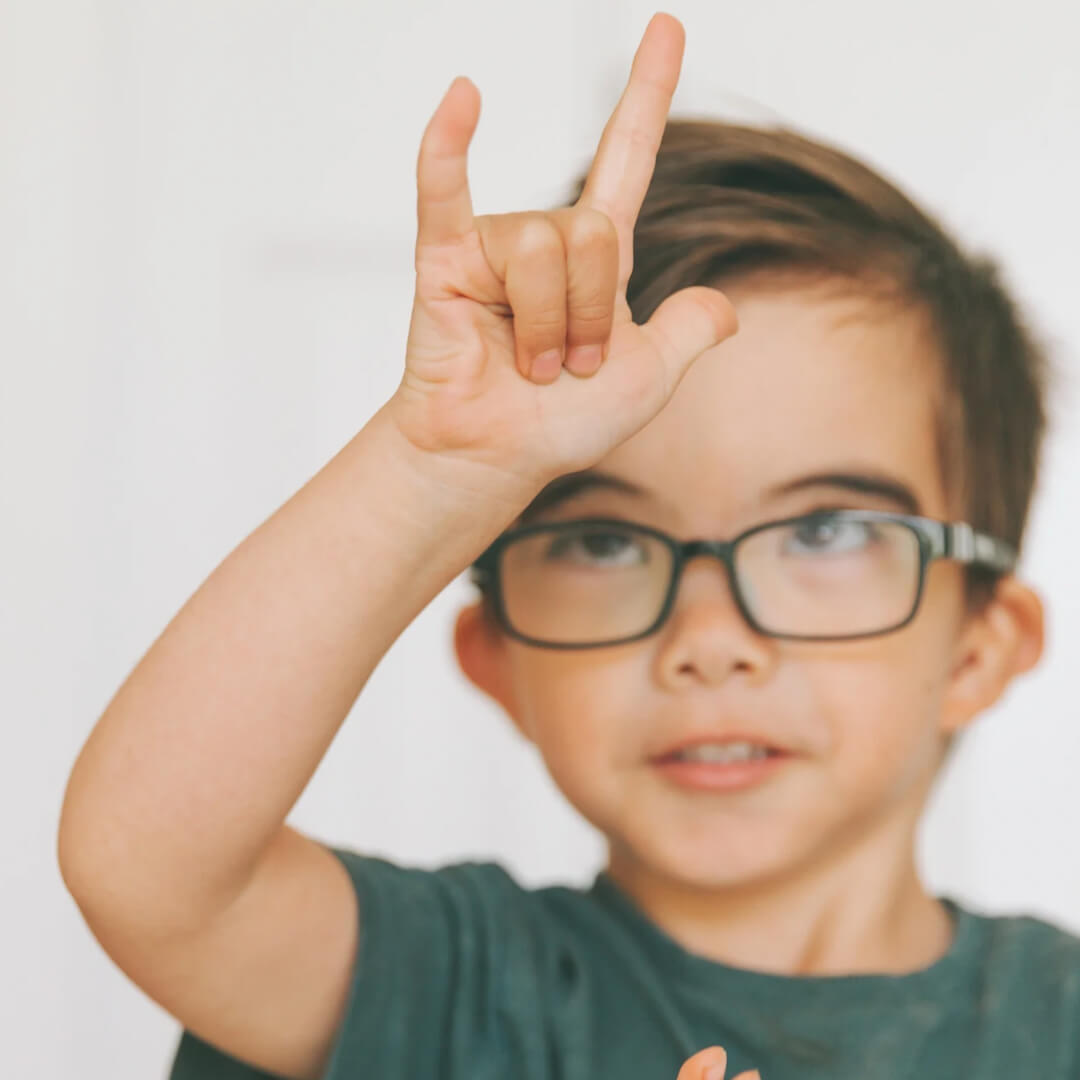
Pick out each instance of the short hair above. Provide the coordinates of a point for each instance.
(730, 203)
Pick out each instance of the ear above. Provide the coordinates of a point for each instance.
(483, 656)
(1001, 641)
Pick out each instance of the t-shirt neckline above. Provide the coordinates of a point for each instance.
(948, 973)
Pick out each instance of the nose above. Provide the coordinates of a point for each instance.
(706, 637)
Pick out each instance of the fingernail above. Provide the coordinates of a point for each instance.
(546, 366)
(715, 1072)
(584, 359)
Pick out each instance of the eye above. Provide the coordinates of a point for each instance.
(593, 546)
(830, 536)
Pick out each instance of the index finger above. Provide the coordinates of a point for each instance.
(626, 156)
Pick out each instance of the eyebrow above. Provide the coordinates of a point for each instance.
(860, 482)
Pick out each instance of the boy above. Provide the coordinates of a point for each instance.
(756, 741)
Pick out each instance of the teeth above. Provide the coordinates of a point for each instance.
(722, 752)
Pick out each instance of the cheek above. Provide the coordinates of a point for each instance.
(572, 711)
(581, 714)
(882, 711)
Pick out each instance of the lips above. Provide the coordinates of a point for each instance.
(732, 762)
(696, 745)
(696, 776)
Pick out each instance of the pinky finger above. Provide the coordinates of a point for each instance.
(444, 209)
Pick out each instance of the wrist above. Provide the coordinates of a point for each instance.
(479, 493)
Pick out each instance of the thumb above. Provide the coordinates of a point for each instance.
(686, 324)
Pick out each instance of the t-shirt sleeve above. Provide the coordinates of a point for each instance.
(448, 964)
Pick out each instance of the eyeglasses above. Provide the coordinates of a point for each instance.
(825, 576)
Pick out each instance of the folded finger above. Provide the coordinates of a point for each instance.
(535, 278)
(592, 266)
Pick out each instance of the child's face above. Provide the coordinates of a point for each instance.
(808, 386)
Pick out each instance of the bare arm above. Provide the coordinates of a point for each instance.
(198, 759)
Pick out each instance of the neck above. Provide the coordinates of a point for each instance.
(854, 912)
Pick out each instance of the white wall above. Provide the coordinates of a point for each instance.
(206, 227)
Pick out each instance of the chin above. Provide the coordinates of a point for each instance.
(711, 873)
(724, 863)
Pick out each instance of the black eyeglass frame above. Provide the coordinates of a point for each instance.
(936, 540)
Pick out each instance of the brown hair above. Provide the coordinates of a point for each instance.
(729, 203)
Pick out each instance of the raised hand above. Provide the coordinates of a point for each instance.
(711, 1064)
(522, 357)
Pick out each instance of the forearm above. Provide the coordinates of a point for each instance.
(205, 748)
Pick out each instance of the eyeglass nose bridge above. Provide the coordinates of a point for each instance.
(724, 550)
(718, 549)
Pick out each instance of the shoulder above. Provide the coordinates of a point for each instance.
(477, 885)
(1028, 964)
(477, 903)
(1031, 941)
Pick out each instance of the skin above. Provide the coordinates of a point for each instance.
(813, 870)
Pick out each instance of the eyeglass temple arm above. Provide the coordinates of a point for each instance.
(961, 542)
(480, 570)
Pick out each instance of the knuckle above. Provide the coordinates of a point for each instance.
(544, 321)
(590, 317)
(591, 231)
(538, 236)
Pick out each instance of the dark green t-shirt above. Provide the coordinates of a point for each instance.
(462, 974)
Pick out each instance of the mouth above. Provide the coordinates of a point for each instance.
(732, 764)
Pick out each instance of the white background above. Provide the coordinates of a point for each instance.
(206, 228)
